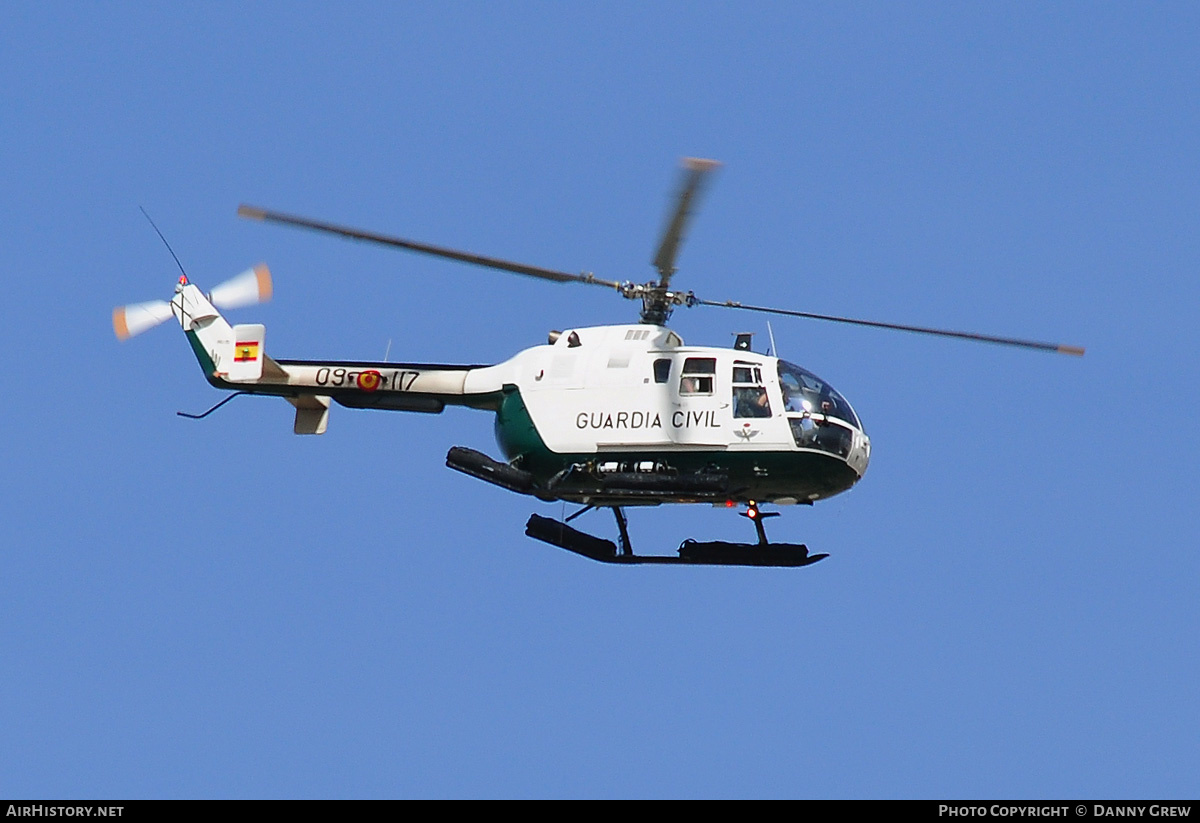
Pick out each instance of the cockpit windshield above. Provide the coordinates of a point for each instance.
(803, 391)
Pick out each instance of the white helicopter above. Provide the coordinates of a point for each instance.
(604, 417)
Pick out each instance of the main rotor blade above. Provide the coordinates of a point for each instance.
(962, 335)
(696, 171)
(255, 213)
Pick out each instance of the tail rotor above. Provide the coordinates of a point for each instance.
(248, 288)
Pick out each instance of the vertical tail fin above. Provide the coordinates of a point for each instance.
(209, 333)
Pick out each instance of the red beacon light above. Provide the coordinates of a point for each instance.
(756, 517)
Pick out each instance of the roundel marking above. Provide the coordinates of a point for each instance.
(369, 380)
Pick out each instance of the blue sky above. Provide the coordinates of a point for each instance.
(222, 609)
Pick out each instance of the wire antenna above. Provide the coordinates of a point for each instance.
(165, 243)
(771, 334)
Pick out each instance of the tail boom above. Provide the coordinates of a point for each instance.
(235, 358)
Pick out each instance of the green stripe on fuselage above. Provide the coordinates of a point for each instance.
(759, 474)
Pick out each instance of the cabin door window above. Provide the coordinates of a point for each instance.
(749, 394)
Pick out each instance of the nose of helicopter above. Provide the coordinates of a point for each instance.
(860, 453)
(822, 419)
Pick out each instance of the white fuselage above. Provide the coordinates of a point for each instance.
(638, 387)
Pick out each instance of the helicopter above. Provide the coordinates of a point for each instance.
(603, 417)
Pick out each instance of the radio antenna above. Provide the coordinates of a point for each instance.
(165, 243)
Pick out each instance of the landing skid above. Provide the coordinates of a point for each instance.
(691, 552)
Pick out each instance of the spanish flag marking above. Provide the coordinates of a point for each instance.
(246, 352)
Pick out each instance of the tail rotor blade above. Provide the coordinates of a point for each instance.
(139, 317)
(250, 287)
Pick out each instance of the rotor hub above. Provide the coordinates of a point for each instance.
(658, 302)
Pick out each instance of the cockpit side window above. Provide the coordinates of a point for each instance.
(697, 375)
(803, 392)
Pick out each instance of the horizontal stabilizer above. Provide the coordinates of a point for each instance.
(312, 413)
(273, 371)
